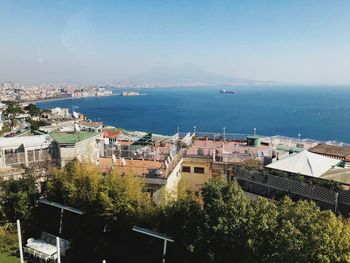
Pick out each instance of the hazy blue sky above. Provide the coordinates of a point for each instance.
(294, 41)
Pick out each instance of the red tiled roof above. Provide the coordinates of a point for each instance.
(111, 133)
(332, 150)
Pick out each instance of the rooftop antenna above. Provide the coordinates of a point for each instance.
(157, 235)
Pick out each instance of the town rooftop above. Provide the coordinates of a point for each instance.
(72, 137)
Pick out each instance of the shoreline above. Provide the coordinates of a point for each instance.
(70, 98)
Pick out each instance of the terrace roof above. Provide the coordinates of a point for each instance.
(72, 137)
(91, 124)
(305, 163)
(338, 151)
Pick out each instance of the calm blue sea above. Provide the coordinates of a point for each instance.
(318, 113)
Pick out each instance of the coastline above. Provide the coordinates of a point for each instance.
(70, 98)
(189, 107)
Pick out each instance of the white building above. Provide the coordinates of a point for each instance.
(61, 113)
(91, 126)
(83, 146)
(22, 151)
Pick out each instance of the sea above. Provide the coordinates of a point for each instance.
(321, 113)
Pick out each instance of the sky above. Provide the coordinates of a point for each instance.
(291, 41)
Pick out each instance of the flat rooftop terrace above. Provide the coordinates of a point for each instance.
(209, 147)
(141, 167)
(134, 167)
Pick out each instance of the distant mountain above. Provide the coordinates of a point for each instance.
(189, 73)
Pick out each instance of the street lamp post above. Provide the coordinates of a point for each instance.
(157, 235)
(63, 208)
(20, 241)
(224, 133)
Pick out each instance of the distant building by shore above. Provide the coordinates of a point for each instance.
(131, 93)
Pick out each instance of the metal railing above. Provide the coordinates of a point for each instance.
(25, 158)
(264, 184)
(243, 136)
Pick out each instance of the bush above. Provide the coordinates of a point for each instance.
(8, 239)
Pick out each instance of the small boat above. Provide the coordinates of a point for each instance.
(227, 91)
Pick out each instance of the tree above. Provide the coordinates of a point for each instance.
(35, 125)
(18, 199)
(182, 221)
(13, 108)
(111, 202)
(224, 223)
(223, 226)
(11, 112)
(261, 231)
(5, 128)
(8, 239)
(76, 185)
(32, 109)
(297, 232)
(252, 164)
(123, 195)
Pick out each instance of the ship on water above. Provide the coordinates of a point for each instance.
(227, 91)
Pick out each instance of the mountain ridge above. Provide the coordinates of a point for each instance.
(189, 73)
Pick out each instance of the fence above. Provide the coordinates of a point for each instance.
(273, 139)
(25, 158)
(270, 185)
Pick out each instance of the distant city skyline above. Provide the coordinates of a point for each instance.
(306, 42)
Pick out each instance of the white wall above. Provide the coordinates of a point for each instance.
(174, 179)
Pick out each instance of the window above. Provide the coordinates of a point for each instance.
(200, 152)
(199, 170)
(186, 169)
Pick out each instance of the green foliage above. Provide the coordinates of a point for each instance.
(9, 259)
(229, 228)
(123, 196)
(180, 220)
(8, 239)
(290, 231)
(225, 221)
(223, 226)
(252, 164)
(13, 109)
(32, 109)
(5, 128)
(77, 185)
(111, 201)
(35, 125)
(18, 198)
